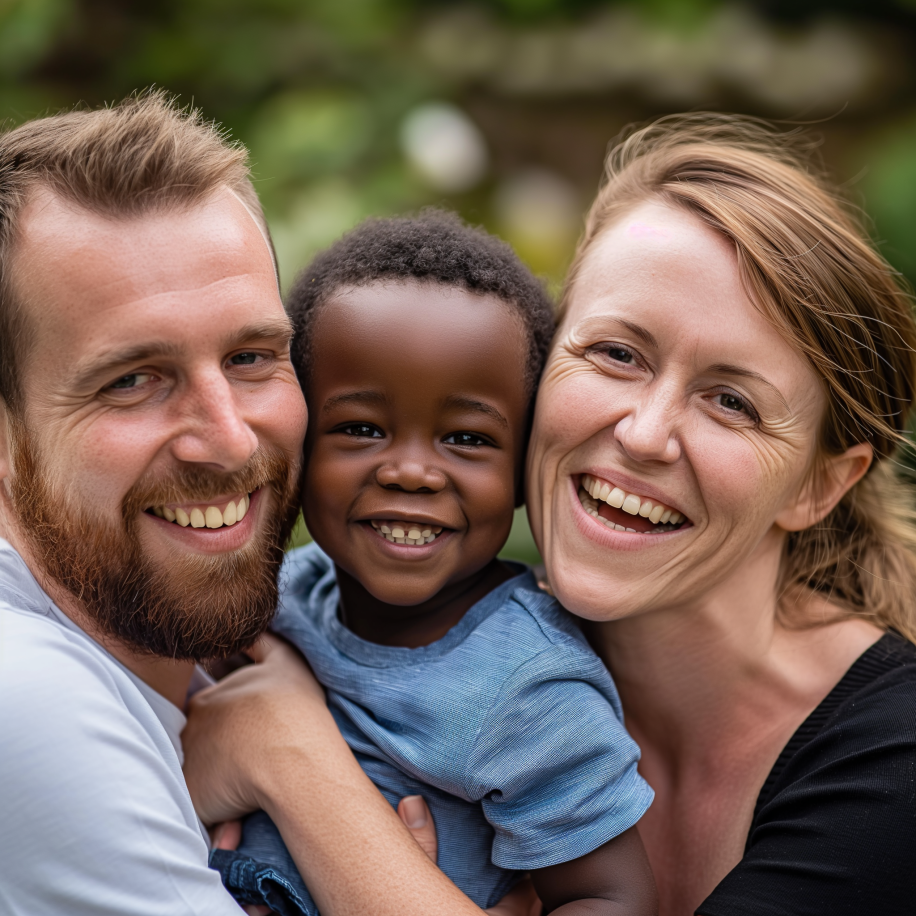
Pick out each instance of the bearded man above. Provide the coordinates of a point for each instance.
(149, 454)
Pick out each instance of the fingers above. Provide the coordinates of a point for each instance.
(414, 812)
(227, 835)
(263, 647)
(522, 900)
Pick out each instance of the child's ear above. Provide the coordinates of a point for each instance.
(828, 484)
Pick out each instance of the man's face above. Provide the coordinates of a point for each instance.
(157, 385)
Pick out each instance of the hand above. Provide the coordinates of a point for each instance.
(242, 727)
(414, 812)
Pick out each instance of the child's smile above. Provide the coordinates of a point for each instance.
(418, 401)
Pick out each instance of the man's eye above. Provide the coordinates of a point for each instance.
(464, 439)
(244, 359)
(362, 431)
(134, 380)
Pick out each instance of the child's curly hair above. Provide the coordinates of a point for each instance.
(434, 246)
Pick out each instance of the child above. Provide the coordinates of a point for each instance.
(419, 343)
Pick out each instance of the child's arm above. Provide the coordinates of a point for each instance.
(613, 880)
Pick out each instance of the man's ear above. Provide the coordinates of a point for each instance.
(832, 478)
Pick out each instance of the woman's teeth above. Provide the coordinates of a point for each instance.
(592, 490)
(415, 533)
(206, 516)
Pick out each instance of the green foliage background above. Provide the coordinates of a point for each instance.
(319, 91)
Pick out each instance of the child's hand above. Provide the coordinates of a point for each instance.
(414, 812)
(240, 730)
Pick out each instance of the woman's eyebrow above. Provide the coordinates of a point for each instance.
(726, 369)
(600, 324)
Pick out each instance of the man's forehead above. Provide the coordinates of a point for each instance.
(86, 280)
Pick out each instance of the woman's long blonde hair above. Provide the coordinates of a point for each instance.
(808, 265)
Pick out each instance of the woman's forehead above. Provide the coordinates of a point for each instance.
(663, 271)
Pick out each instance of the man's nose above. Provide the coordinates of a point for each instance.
(214, 430)
(647, 431)
(411, 470)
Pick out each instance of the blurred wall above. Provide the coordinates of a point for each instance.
(501, 109)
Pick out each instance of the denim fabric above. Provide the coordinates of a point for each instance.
(509, 726)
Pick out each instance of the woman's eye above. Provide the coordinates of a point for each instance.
(619, 354)
(736, 404)
(464, 439)
(127, 382)
(362, 431)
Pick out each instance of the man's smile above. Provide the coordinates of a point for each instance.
(216, 514)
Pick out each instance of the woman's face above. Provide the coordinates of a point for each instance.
(667, 394)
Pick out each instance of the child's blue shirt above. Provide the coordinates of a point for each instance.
(510, 726)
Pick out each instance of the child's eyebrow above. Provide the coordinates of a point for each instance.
(355, 397)
(457, 400)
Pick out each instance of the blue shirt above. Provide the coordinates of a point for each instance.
(510, 726)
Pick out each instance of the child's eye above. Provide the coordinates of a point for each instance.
(362, 431)
(464, 439)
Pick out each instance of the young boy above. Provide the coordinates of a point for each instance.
(419, 343)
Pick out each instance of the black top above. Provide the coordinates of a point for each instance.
(834, 828)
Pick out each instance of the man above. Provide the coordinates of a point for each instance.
(150, 432)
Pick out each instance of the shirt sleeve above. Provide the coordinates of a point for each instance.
(553, 766)
(838, 836)
(93, 822)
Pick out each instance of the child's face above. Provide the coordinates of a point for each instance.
(417, 404)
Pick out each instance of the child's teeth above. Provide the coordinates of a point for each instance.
(414, 535)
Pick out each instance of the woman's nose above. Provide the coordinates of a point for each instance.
(647, 431)
(411, 474)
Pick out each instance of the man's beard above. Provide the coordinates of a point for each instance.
(198, 607)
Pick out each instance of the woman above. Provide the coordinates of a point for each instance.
(732, 349)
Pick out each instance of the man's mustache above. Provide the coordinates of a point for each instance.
(193, 484)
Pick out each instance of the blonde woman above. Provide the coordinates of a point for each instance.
(711, 481)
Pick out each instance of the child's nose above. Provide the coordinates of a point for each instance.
(411, 475)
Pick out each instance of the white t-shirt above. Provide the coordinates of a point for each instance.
(95, 816)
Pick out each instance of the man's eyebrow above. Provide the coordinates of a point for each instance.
(464, 403)
(376, 398)
(104, 365)
(741, 372)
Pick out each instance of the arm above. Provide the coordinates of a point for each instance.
(613, 880)
(263, 738)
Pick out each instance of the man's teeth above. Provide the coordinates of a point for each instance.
(206, 517)
(596, 490)
(415, 533)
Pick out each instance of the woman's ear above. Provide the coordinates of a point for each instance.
(833, 477)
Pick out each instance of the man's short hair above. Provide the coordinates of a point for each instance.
(434, 246)
(143, 155)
